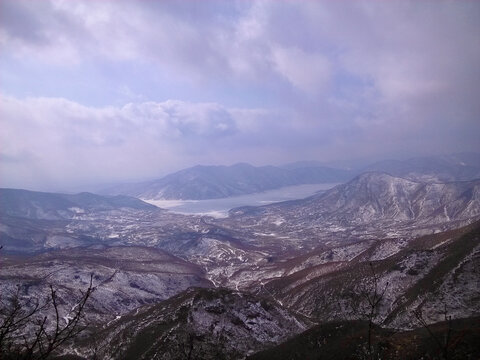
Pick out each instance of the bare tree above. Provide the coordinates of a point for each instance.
(26, 333)
(371, 296)
(444, 343)
(15, 317)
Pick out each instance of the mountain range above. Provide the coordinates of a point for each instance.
(212, 182)
(444, 168)
(287, 280)
(370, 205)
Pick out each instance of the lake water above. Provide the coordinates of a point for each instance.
(220, 207)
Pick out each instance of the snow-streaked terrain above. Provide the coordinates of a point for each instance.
(309, 257)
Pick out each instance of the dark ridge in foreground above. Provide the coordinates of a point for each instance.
(348, 340)
(205, 323)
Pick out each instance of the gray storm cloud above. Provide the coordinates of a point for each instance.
(108, 91)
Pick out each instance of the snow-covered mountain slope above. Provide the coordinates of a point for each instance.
(296, 288)
(124, 278)
(374, 196)
(428, 274)
(374, 205)
(198, 324)
(31, 225)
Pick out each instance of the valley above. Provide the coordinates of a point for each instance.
(260, 275)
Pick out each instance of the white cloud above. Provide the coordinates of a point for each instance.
(87, 144)
(403, 47)
(319, 79)
(309, 72)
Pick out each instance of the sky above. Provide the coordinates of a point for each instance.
(97, 92)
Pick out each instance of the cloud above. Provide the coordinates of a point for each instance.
(309, 72)
(402, 48)
(136, 140)
(88, 83)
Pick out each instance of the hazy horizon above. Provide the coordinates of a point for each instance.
(121, 91)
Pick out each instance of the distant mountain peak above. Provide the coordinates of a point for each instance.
(220, 181)
(211, 182)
